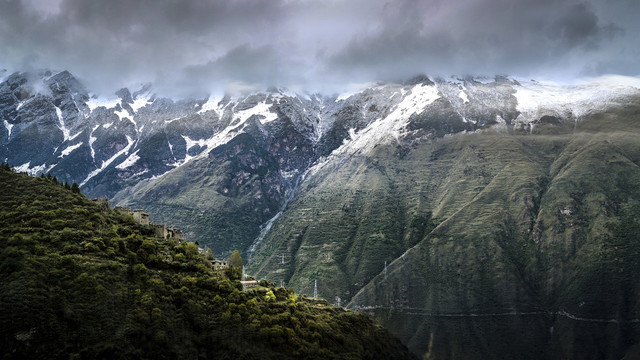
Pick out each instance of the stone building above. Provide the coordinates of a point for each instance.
(161, 230)
(178, 234)
(164, 232)
(141, 217)
(122, 210)
(219, 264)
(246, 284)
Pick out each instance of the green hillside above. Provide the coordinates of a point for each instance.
(220, 200)
(497, 245)
(80, 281)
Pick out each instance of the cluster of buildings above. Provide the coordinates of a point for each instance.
(164, 232)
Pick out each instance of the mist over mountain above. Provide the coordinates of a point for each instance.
(490, 214)
(437, 199)
(197, 47)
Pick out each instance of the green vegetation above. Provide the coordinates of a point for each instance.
(473, 225)
(219, 201)
(80, 281)
(235, 260)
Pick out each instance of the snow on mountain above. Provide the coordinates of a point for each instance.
(8, 127)
(108, 103)
(69, 149)
(540, 98)
(260, 109)
(140, 102)
(33, 171)
(108, 162)
(122, 114)
(163, 134)
(129, 161)
(213, 104)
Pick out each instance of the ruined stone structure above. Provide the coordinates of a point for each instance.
(165, 232)
(122, 210)
(219, 264)
(103, 203)
(141, 217)
(177, 234)
(161, 230)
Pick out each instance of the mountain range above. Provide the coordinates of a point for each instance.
(473, 217)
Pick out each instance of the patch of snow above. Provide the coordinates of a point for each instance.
(388, 128)
(49, 168)
(105, 164)
(20, 105)
(69, 149)
(8, 127)
(75, 136)
(108, 103)
(122, 114)
(106, 126)
(139, 103)
(172, 120)
(129, 161)
(191, 143)
(33, 171)
(463, 96)
(22, 168)
(61, 126)
(261, 108)
(212, 104)
(140, 173)
(92, 139)
(538, 98)
(216, 140)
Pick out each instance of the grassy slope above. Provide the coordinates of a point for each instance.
(478, 223)
(79, 280)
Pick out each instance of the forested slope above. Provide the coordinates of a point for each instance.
(81, 281)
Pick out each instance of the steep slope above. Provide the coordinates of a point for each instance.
(499, 243)
(428, 202)
(82, 281)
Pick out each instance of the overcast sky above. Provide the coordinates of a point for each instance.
(191, 46)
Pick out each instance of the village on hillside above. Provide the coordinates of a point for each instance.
(161, 231)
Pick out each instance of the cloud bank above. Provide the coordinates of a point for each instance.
(188, 47)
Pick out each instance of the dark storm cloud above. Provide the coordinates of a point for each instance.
(499, 36)
(191, 46)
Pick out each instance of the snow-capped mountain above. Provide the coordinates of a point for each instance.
(52, 124)
(457, 198)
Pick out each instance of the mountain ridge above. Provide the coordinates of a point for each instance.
(439, 205)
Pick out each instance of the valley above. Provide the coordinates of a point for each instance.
(474, 218)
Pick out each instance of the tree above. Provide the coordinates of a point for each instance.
(75, 188)
(235, 260)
